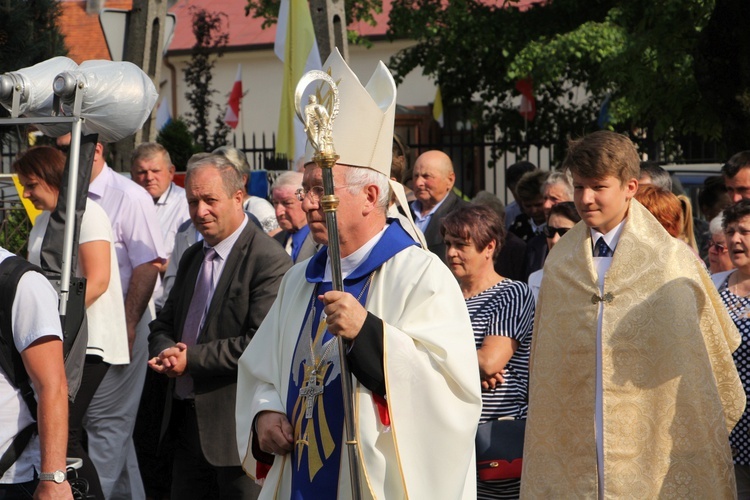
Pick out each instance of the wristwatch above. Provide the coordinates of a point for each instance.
(58, 476)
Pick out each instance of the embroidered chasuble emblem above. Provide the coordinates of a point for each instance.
(315, 401)
(313, 435)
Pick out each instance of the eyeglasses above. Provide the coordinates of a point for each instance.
(550, 231)
(315, 193)
(718, 246)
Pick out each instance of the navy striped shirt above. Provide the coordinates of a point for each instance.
(506, 309)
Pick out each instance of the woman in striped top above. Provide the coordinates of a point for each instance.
(502, 314)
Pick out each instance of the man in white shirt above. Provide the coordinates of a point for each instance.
(139, 245)
(37, 337)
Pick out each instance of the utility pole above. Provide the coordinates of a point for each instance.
(329, 23)
(144, 41)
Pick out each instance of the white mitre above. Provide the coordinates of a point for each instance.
(363, 129)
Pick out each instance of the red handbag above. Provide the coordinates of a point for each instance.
(499, 449)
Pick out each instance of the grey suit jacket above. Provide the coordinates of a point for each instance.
(432, 233)
(244, 293)
(309, 247)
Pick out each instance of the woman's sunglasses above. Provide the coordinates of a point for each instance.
(550, 231)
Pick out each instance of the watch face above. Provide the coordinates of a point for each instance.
(59, 476)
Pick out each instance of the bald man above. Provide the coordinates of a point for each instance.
(433, 187)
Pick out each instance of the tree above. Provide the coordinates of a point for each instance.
(210, 40)
(670, 70)
(28, 35)
(722, 68)
(177, 140)
(639, 53)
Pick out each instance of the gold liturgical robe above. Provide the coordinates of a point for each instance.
(671, 392)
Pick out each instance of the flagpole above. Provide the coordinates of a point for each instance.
(241, 120)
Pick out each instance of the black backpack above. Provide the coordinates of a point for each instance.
(75, 339)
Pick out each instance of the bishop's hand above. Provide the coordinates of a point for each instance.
(274, 433)
(345, 316)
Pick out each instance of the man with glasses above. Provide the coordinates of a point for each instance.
(400, 312)
(295, 237)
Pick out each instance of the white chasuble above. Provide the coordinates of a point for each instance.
(432, 384)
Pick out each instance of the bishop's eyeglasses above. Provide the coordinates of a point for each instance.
(314, 192)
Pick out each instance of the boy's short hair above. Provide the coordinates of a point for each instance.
(602, 154)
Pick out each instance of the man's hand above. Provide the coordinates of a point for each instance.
(50, 490)
(345, 316)
(171, 362)
(274, 433)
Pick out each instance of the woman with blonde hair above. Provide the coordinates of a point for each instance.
(687, 233)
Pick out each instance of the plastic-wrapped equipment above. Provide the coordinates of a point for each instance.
(117, 98)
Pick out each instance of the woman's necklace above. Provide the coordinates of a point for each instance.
(313, 385)
(738, 307)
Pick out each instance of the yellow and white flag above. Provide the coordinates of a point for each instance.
(437, 107)
(295, 45)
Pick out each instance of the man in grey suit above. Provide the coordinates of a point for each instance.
(224, 287)
(295, 236)
(433, 186)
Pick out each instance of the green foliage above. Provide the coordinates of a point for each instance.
(641, 52)
(14, 230)
(672, 68)
(211, 38)
(355, 10)
(28, 35)
(178, 141)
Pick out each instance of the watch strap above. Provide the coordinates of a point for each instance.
(58, 476)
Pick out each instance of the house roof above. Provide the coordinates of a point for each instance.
(85, 40)
(246, 31)
(83, 33)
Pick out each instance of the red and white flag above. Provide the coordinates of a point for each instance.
(232, 116)
(527, 109)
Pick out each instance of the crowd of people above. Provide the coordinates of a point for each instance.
(588, 340)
